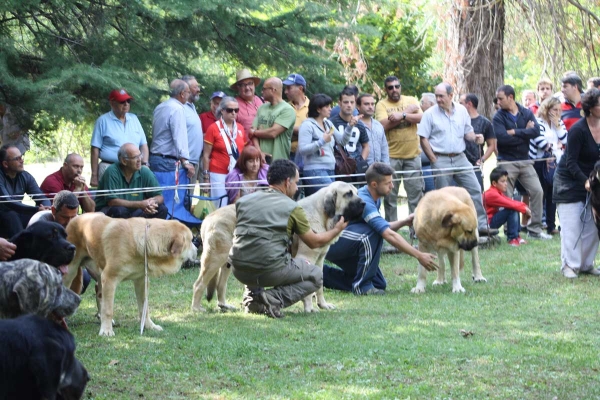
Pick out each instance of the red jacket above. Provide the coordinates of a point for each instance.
(494, 199)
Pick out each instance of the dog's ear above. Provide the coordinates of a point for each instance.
(329, 204)
(177, 245)
(448, 220)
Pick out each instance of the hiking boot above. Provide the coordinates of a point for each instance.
(541, 235)
(256, 302)
(270, 310)
(592, 271)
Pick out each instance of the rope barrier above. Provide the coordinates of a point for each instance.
(436, 172)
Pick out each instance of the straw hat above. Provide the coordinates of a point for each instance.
(242, 75)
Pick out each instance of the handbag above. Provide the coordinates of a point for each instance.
(204, 206)
(361, 166)
(549, 168)
(344, 164)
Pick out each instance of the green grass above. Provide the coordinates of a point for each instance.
(535, 336)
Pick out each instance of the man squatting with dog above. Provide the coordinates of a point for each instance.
(358, 249)
(261, 255)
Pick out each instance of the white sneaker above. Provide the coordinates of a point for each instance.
(569, 273)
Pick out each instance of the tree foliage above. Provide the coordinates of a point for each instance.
(62, 57)
(396, 48)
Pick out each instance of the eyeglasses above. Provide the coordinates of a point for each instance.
(232, 110)
(245, 85)
(126, 101)
(392, 87)
(138, 157)
(19, 158)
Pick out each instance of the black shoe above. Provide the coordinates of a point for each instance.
(488, 232)
(256, 302)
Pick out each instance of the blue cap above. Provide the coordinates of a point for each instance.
(217, 94)
(295, 79)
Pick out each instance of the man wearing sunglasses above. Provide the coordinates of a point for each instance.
(399, 115)
(14, 183)
(111, 131)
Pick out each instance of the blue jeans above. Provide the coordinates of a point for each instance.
(508, 217)
(161, 164)
(322, 178)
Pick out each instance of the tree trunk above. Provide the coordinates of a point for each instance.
(474, 50)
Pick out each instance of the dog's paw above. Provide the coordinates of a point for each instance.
(326, 306)
(224, 307)
(311, 310)
(106, 331)
(479, 279)
(198, 309)
(458, 289)
(436, 282)
(153, 326)
(417, 289)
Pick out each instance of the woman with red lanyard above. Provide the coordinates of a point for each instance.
(223, 142)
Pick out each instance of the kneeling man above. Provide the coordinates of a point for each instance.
(260, 255)
(128, 174)
(358, 249)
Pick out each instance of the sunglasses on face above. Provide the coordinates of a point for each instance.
(232, 110)
(128, 101)
(392, 87)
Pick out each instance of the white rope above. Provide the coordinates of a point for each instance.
(207, 186)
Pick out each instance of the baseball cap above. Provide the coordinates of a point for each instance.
(217, 94)
(295, 79)
(119, 95)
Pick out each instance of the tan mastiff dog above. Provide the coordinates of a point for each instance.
(446, 222)
(114, 250)
(323, 209)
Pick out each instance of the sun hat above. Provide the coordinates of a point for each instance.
(242, 75)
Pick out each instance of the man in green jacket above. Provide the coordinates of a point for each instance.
(260, 256)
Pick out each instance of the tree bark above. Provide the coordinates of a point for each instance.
(474, 60)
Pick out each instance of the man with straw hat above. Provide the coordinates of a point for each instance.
(245, 85)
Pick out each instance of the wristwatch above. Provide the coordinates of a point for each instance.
(403, 116)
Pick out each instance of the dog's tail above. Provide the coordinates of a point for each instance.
(212, 286)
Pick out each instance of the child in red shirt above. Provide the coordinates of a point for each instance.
(501, 209)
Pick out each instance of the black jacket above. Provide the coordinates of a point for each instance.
(514, 147)
(575, 165)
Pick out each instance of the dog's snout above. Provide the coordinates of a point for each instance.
(467, 244)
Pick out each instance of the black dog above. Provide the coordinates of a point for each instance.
(44, 241)
(594, 183)
(37, 361)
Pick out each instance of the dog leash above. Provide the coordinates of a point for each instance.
(582, 218)
(145, 308)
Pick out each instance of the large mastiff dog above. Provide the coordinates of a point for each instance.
(37, 361)
(446, 222)
(323, 210)
(33, 287)
(114, 251)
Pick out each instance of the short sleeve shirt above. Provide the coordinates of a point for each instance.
(298, 223)
(110, 133)
(402, 140)
(358, 137)
(481, 125)
(113, 180)
(445, 132)
(281, 114)
(371, 213)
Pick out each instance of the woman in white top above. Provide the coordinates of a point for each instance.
(555, 134)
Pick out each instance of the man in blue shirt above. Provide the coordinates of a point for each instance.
(111, 131)
(194, 128)
(358, 249)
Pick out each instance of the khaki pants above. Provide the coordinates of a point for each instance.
(413, 184)
(289, 285)
(524, 172)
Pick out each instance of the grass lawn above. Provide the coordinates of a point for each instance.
(535, 336)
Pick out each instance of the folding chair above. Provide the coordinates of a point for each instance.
(178, 210)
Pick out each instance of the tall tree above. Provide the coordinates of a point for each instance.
(474, 60)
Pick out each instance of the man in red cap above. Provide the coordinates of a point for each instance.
(112, 130)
